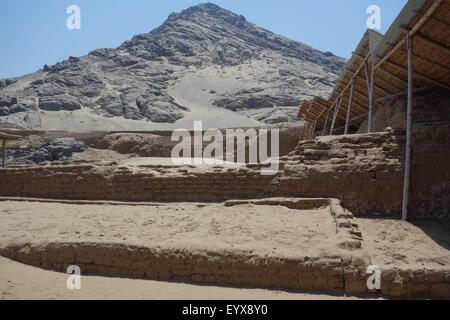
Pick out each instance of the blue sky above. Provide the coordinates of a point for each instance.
(34, 33)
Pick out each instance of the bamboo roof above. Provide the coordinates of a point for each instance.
(429, 22)
(314, 110)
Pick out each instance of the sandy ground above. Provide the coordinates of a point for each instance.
(261, 229)
(258, 229)
(212, 226)
(91, 154)
(191, 91)
(404, 245)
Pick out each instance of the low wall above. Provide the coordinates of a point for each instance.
(364, 171)
(342, 268)
(337, 264)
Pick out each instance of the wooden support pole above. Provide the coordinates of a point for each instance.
(326, 122)
(313, 130)
(349, 107)
(335, 114)
(358, 70)
(369, 80)
(407, 176)
(306, 131)
(4, 153)
(303, 131)
(369, 121)
(366, 71)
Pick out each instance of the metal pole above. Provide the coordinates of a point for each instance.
(4, 153)
(349, 108)
(369, 124)
(407, 179)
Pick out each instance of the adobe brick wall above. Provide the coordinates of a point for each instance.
(340, 268)
(111, 181)
(430, 169)
(364, 171)
(430, 178)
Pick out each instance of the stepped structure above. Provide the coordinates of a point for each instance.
(363, 170)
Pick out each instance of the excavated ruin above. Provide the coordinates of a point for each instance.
(363, 171)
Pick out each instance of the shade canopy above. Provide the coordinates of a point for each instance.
(428, 22)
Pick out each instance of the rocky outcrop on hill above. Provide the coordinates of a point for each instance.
(261, 76)
(57, 150)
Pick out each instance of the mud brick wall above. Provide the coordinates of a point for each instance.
(224, 267)
(110, 181)
(430, 169)
(430, 173)
(364, 171)
(341, 269)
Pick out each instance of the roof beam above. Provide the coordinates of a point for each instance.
(445, 23)
(404, 93)
(393, 76)
(384, 81)
(375, 86)
(433, 18)
(411, 32)
(428, 60)
(420, 75)
(354, 75)
(434, 43)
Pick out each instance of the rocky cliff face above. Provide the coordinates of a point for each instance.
(205, 63)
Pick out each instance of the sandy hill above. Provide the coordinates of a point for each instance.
(205, 63)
